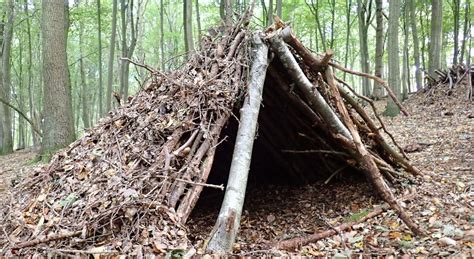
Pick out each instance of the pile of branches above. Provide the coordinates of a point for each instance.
(456, 81)
(128, 185)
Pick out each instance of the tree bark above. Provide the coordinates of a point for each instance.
(123, 63)
(466, 32)
(7, 145)
(222, 9)
(162, 36)
(84, 89)
(278, 8)
(270, 13)
(58, 125)
(379, 42)
(416, 45)
(393, 57)
(333, 17)
(406, 69)
(314, 8)
(229, 14)
(436, 37)
(198, 20)
(223, 235)
(188, 26)
(110, 68)
(348, 32)
(99, 37)
(363, 13)
(456, 7)
(313, 97)
(423, 40)
(128, 18)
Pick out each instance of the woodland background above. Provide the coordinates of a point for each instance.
(416, 37)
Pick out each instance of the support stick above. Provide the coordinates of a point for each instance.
(314, 98)
(225, 230)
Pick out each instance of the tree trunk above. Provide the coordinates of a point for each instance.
(7, 145)
(224, 232)
(229, 13)
(123, 63)
(222, 9)
(314, 8)
(456, 7)
(162, 36)
(110, 68)
(333, 17)
(363, 16)
(270, 13)
(348, 32)
(465, 32)
(379, 42)
(436, 37)
(21, 100)
(406, 69)
(58, 125)
(188, 26)
(84, 89)
(30, 76)
(198, 21)
(99, 36)
(393, 58)
(279, 7)
(423, 41)
(416, 45)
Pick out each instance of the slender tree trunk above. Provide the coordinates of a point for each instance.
(188, 26)
(456, 7)
(84, 89)
(58, 125)
(379, 42)
(99, 36)
(406, 70)
(124, 50)
(110, 68)
(279, 7)
(270, 13)
(134, 21)
(222, 9)
(229, 13)
(314, 8)
(363, 16)
(393, 58)
(7, 145)
(465, 37)
(198, 20)
(423, 41)
(416, 45)
(30, 76)
(162, 36)
(435, 47)
(348, 33)
(333, 17)
(21, 96)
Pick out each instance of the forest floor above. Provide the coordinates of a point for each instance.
(440, 138)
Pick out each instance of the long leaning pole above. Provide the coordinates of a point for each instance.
(225, 230)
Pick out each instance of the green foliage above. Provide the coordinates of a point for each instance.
(83, 14)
